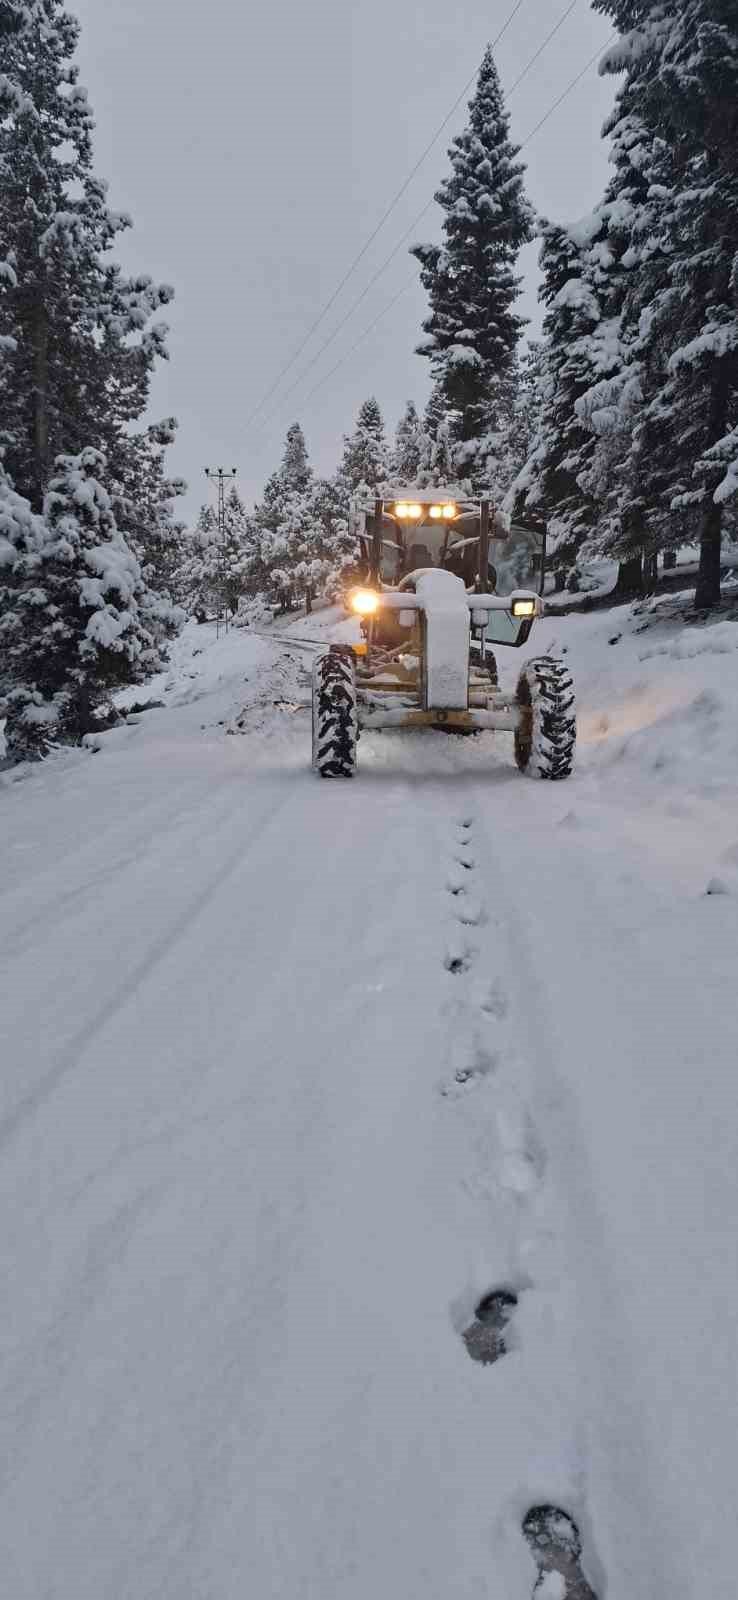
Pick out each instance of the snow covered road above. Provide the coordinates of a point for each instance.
(294, 1074)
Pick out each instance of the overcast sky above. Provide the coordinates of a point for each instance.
(257, 146)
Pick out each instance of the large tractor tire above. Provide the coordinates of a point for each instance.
(335, 720)
(546, 738)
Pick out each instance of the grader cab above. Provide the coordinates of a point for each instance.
(430, 621)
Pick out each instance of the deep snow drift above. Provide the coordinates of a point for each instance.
(295, 1073)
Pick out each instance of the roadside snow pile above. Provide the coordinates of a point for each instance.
(200, 662)
(656, 698)
(207, 682)
(720, 639)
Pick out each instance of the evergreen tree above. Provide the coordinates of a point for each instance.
(293, 476)
(197, 561)
(144, 498)
(22, 533)
(296, 472)
(219, 570)
(235, 553)
(365, 460)
(547, 492)
(682, 61)
(473, 329)
(407, 456)
(76, 616)
(337, 547)
(305, 554)
(77, 340)
(297, 540)
(437, 468)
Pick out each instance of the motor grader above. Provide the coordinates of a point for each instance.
(430, 622)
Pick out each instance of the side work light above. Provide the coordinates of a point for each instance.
(524, 608)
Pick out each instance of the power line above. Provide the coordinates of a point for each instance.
(362, 336)
(544, 46)
(386, 310)
(362, 252)
(409, 231)
(341, 325)
(567, 92)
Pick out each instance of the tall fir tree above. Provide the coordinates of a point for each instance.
(437, 468)
(78, 339)
(76, 616)
(365, 459)
(295, 472)
(144, 500)
(683, 59)
(197, 560)
(473, 329)
(407, 456)
(546, 493)
(625, 264)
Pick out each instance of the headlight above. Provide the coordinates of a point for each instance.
(436, 512)
(401, 510)
(408, 512)
(364, 602)
(524, 608)
(449, 512)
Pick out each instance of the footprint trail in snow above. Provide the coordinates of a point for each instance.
(482, 1059)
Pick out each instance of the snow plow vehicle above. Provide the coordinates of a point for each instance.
(430, 620)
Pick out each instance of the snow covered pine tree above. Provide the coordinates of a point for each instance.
(77, 618)
(302, 523)
(473, 330)
(684, 55)
(547, 491)
(77, 339)
(407, 455)
(365, 459)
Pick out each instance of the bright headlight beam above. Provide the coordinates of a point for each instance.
(364, 602)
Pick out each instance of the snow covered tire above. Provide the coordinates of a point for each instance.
(546, 738)
(335, 721)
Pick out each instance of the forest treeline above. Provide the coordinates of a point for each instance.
(615, 432)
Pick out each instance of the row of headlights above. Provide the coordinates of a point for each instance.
(366, 601)
(410, 511)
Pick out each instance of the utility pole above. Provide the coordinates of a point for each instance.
(217, 475)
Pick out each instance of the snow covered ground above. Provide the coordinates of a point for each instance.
(294, 1073)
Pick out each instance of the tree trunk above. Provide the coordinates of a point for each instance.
(308, 602)
(707, 593)
(670, 560)
(40, 336)
(542, 580)
(650, 573)
(85, 720)
(630, 578)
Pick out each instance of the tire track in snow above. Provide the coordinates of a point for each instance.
(140, 844)
(123, 992)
